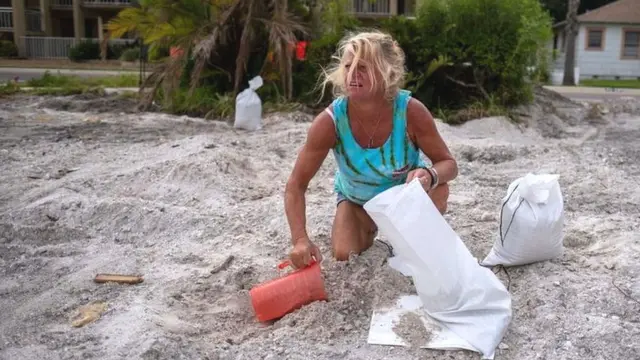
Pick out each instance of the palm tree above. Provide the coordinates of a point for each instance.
(208, 31)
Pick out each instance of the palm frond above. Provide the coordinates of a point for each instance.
(282, 27)
(218, 35)
(245, 46)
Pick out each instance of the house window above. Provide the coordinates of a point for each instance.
(631, 44)
(595, 39)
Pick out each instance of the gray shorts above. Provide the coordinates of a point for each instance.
(340, 198)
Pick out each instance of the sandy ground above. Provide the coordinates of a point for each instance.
(171, 198)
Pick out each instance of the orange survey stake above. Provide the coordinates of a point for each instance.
(278, 297)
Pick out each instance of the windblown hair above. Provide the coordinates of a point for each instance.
(383, 55)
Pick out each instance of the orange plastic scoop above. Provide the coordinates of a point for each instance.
(278, 297)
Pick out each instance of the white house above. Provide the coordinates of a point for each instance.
(608, 43)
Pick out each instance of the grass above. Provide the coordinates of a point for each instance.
(206, 103)
(68, 64)
(70, 81)
(622, 84)
(63, 85)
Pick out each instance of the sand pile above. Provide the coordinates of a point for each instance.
(172, 198)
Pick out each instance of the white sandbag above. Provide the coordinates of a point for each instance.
(531, 222)
(456, 291)
(248, 114)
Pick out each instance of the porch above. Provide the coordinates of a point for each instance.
(33, 20)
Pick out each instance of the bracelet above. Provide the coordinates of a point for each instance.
(434, 177)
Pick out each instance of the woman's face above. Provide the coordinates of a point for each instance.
(361, 85)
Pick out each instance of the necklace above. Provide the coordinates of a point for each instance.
(370, 143)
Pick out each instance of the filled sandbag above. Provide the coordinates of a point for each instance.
(531, 222)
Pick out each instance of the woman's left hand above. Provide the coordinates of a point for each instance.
(423, 176)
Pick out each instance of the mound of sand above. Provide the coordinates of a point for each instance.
(172, 198)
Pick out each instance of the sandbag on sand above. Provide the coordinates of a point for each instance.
(531, 222)
(455, 290)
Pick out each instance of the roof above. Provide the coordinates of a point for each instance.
(618, 12)
(621, 11)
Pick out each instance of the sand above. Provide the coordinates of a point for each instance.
(171, 198)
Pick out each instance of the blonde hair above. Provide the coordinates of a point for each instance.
(383, 54)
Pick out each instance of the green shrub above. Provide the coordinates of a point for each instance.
(8, 49)
(203, 102)
(115, 51)
(308, 73)
(132, 54)
(9, 88)
(463, 51)
(157, 52)
(85, 50)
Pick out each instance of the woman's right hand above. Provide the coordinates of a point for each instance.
(303, 252)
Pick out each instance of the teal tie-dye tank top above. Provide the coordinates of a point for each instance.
(364, 173)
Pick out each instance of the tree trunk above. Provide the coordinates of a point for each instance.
(571, 31)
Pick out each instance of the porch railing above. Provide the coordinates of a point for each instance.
(62, 3)
(371, 7)
(382, 8)
(43, 47)
(68, 4)
(6, 18)
(107, 2)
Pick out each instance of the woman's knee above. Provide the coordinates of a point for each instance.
(352, 232)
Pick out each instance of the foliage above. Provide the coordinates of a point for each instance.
(336, 21)
(9, 88)
(231, 36)
(455, 58)
(90, 50)
(203, 101)
(50, 80)
(85, 50)
(309, 72)
(115, 51)
(132, 54)
(8, 49)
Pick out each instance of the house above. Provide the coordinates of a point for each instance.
(46, 29)
(608, 42)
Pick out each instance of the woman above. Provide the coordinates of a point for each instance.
(376, 131)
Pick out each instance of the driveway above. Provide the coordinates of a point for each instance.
(591, 94)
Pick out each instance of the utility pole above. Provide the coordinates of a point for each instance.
(571, 31)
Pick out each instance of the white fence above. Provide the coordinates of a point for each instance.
(41, 47)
